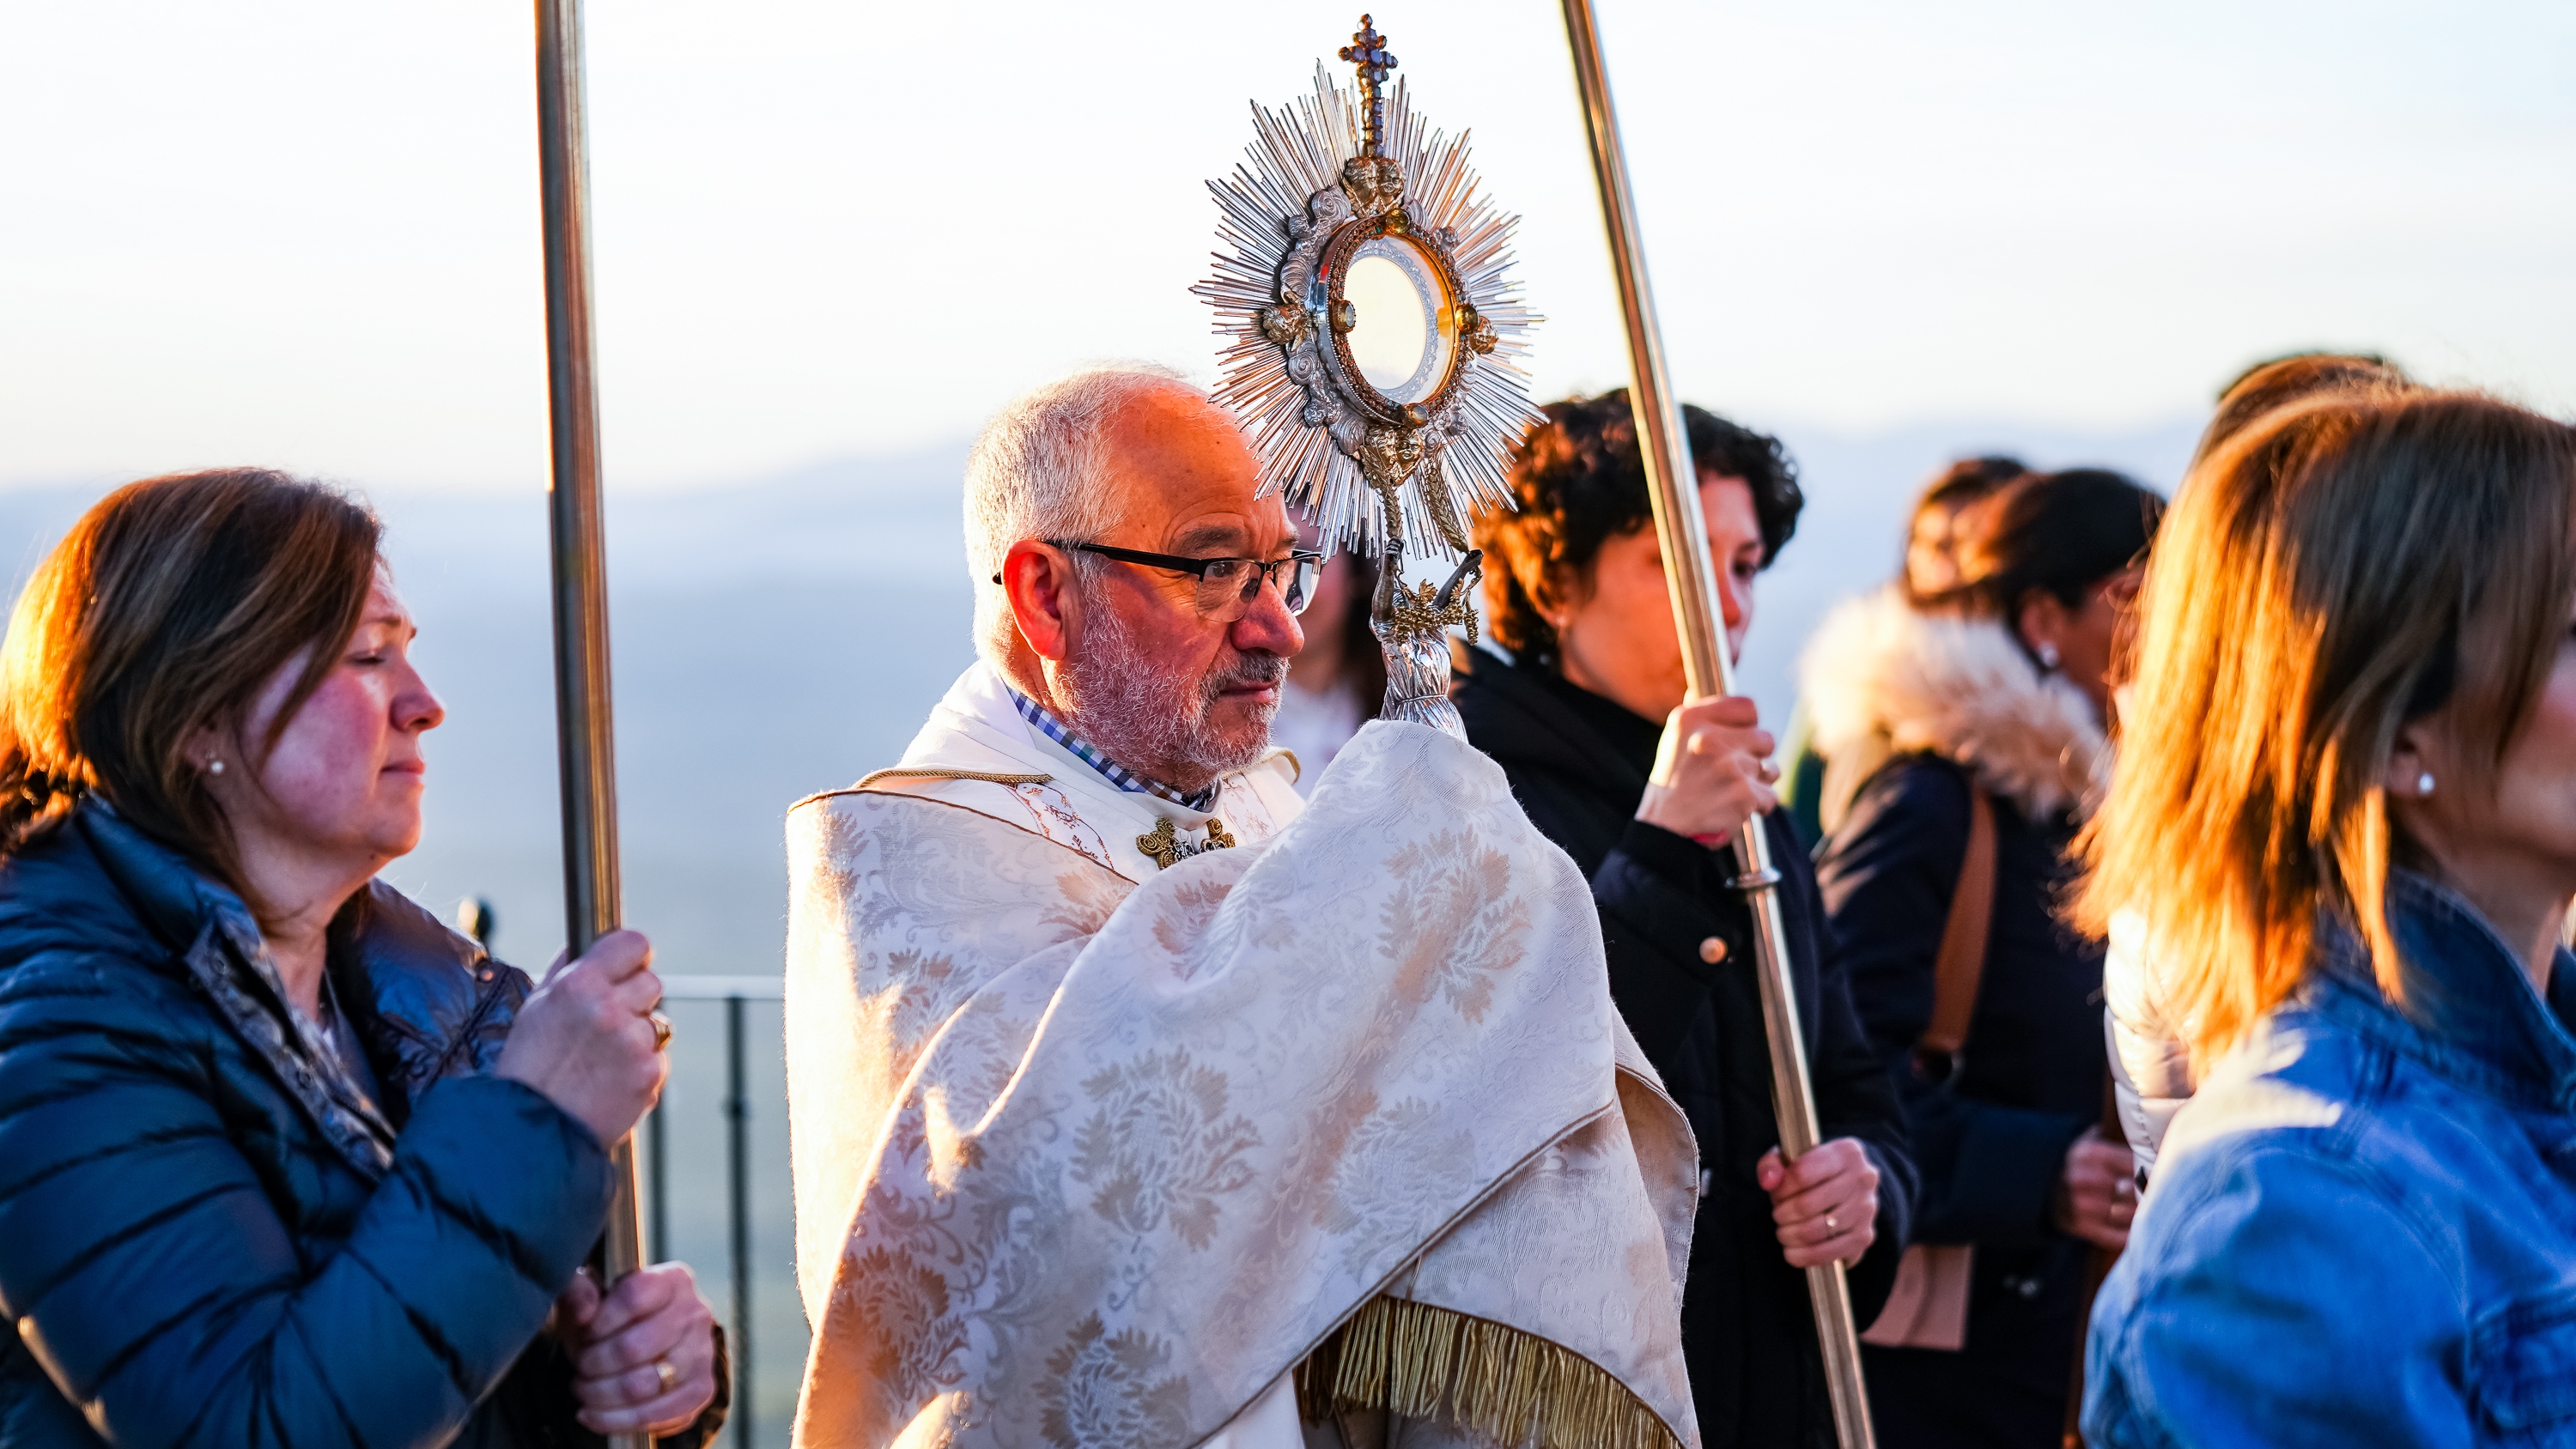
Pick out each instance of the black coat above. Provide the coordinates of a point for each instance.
(1992, 1141)
(212, 1233)
(1748, 1330)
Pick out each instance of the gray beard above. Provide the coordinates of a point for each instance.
(1134, 709)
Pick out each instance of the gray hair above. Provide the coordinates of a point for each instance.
(1039, 470)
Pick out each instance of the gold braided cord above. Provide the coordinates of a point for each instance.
(932, 772)
(1422, 1361)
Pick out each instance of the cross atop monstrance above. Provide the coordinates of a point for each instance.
(1368, 51)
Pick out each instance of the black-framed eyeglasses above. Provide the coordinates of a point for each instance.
(1227, 586)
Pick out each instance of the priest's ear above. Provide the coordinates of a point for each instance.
(1046, 602)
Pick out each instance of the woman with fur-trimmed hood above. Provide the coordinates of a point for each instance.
(1999, 687)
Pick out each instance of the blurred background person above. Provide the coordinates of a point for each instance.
(2151, 1066)
(1337, 681)
(1996, 691)
(1936, 527)
(283, 1160)
(1937, 530)
(1587, 720)
(2276, 382)
(2345, 810)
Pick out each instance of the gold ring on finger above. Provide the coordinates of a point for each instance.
(661, 1039)
(668, 1376)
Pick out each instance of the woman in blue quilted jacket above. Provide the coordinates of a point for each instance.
(284, 1161)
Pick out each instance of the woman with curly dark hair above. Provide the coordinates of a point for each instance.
(1586, 717)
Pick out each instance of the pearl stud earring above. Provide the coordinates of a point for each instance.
(2424, 783)
(216, 767)
(2047, 656)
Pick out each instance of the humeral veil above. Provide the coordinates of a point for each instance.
(1089, 1152)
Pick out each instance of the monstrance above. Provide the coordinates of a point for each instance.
(1375, 330)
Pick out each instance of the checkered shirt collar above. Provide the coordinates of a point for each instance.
(1110, 770)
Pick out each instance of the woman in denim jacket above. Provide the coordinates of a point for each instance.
(2345, 809)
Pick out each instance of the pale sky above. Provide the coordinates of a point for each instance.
(303, 232)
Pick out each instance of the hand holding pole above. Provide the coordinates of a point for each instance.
(1701, 623)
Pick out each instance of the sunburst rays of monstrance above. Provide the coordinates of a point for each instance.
(1340, 190)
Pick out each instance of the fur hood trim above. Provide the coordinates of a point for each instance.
(1881, 679)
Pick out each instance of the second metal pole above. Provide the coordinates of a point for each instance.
(583, 730)
(1700, 620)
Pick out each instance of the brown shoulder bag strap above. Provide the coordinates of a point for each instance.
(1961, 966)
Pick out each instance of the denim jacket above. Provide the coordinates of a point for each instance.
(2362, 1230)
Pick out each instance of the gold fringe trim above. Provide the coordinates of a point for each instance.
(1422, 1362)
(933, 772)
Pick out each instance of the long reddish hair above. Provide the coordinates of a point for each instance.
(2343, 565)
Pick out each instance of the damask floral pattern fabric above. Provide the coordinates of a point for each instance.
(1087, 1162)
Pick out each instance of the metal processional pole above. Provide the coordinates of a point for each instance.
(1700, 621)
(584, 736)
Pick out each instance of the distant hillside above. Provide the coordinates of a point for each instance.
(784, 635)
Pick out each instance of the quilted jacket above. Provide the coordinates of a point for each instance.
(210, 1232)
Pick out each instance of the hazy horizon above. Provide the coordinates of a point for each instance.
(775, 635)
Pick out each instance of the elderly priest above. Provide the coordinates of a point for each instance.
(1133, 1105)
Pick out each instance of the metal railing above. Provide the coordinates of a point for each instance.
(476, 917)
(733, 991)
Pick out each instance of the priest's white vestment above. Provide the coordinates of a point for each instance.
(1097, 1140)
